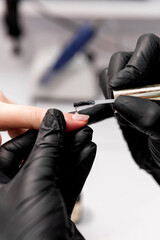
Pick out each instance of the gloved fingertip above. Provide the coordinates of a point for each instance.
(54, 119)
(120, 104)
(87, 130)
(83, 132)
(86, 133)
(126, 78)
(117, 102)
(93, 149)
(122, 122)
(111, 84)
(115, 83)
(127, 105)
(90, 153)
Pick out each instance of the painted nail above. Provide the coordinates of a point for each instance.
(80, 117)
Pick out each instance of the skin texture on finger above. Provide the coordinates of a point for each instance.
(12, 132)
(29, 117)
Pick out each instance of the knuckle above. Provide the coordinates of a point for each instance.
(103, 73)
(35, 117)
(148, 37)
(117, 54)
(121, 58)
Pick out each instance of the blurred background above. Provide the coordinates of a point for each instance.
(119, 201)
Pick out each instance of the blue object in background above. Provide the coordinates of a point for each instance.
(77, 43)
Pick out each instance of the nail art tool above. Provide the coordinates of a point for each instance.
(92, 102)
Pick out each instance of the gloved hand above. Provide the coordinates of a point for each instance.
(37, 201)
(139, 119)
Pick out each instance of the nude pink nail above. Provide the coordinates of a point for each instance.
(80, 117)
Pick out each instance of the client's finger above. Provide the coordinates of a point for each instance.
(29, 117)
(14, 132)
(73, 124)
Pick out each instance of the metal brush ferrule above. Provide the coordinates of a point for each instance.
(151, 92)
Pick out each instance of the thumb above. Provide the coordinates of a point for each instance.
(16, 116)
(38, 197)
(49, 143)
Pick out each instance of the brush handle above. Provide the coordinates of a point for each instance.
(150, 92)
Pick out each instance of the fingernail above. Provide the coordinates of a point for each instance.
(80, 117)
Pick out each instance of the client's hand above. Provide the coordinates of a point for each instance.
(16, 119)
(37, 202)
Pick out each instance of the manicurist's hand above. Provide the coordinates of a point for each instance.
(139, 119)
(36, 200)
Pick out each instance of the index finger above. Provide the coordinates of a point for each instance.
(29, 117)
(117, 63)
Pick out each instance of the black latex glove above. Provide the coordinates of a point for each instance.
(14, 153)
(75, 165)
(139, 119)
(31, 204)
